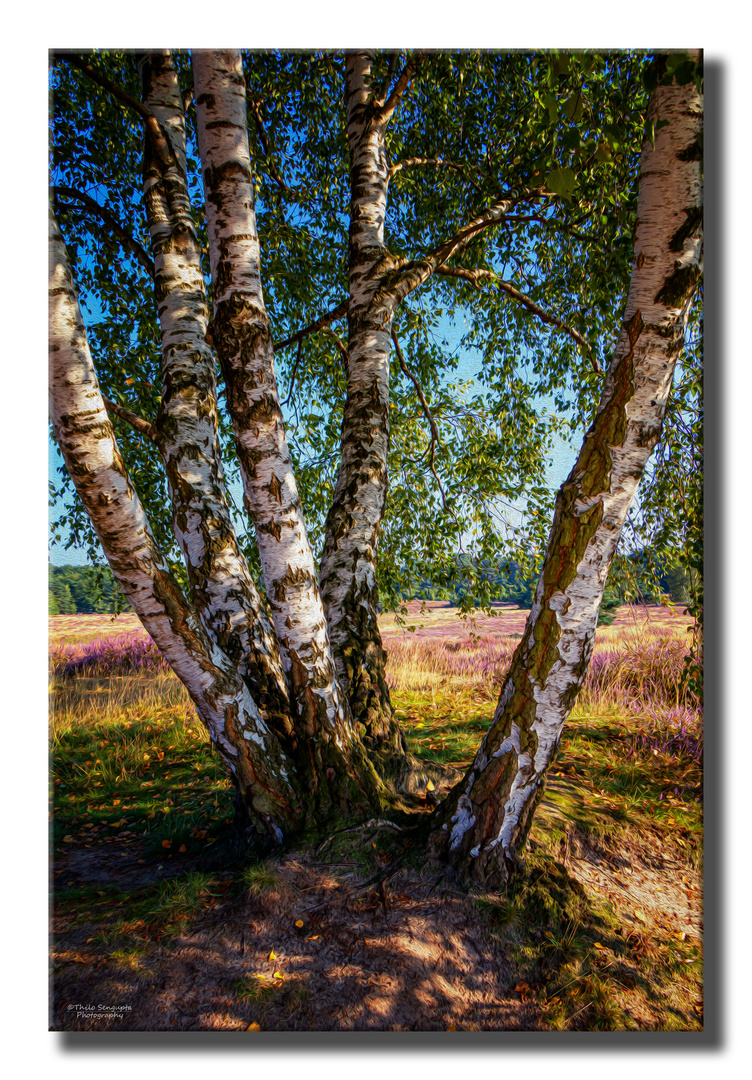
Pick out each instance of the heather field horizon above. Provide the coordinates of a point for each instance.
(606, 933)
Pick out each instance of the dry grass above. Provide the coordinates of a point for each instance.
(139, 795)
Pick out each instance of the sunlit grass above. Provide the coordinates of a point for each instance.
(133, 770)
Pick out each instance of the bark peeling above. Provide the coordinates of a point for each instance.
(222, 589)
(485, 822)
(249, 749)
(328, 747)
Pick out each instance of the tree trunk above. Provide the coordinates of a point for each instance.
(483, 826)
(222, 589)
(348, 563)
(251, 752)
(328, 750)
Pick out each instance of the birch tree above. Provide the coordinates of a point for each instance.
(487, 818)
(283, 658)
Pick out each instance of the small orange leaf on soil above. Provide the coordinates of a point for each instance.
(451, 1027)
(253, 1027)
(641, 916)
(430, 786)
(182, 848)
(314, 938)
(272, 955)
(67, 839)
(278, 975)
(521, 987)
(167, 843)
(299, 923)
(597, 945)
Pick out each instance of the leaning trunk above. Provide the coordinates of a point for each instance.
(483, 826)
(222, 590)
(328, 750)
(249, 749)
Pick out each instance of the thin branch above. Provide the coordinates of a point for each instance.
(432, 423)
(158, 135)
(414, 272)
(475, 276)
(381, 96)
(387, 110)
(343, 351)
(137, 422)
(331, 316)
(436, 162)
(549, 223)
(266, 144)
(127, 240)
(294, 372)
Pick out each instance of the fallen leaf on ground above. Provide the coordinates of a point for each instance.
(253, 1027)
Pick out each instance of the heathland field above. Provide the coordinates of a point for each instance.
(603, 930)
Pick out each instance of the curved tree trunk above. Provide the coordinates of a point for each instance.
(484, 823)
(329, 752)
(249, 748)
(348, 563)
(222, 590)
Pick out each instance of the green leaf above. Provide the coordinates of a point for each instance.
(561, 182)
(573, 106)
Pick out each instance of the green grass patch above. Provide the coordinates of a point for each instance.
(151, 776)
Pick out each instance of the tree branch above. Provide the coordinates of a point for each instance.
(386, 112)
(437, 162)
(158, 135)
(126, 239)
(381, 96)
(405, 280)
(288, 399)
(435, 440)
(322, 321)
(266, 145)
(475, 276)
(137, 422)
(343, 351)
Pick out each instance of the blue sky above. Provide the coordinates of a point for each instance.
(561, 454)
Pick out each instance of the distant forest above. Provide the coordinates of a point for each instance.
(84, 590)
(87, 590)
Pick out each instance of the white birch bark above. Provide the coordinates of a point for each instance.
(241, 334)
(486, 819)
(378, 282)
(222, 589)
(251, 751)
(348, 563)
